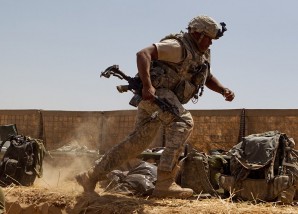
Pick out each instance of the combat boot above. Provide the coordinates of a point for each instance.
(89, 179)
(166, 186)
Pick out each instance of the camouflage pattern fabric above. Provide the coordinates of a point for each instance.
(195, 173)
(204, 24)
(263, 166)
(182, 78)
(149, 119)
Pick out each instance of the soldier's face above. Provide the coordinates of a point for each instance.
(204, 44)
(202, 41)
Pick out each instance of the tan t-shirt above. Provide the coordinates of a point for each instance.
(169, 50)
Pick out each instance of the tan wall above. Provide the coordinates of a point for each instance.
(115, 126)
(28, 122)
(284, 120)
(67, 127)
(214, 129)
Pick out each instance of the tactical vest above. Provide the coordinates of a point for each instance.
(187, 77)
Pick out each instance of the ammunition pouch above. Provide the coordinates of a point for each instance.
(163, 77)
(185, 90)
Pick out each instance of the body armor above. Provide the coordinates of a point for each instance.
(187, 77)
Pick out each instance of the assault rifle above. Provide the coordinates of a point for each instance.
(135, 86)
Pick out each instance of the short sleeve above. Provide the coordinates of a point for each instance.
(169, 50)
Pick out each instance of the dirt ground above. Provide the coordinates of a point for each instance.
(68, 198)
(57, 192)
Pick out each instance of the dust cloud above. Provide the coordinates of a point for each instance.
(78, 153)
(60, 172)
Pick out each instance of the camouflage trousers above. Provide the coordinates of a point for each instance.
(149, 120)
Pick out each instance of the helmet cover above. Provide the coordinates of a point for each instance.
(207, 26)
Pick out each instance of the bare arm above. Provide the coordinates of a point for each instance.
(144, 58)
(216, 86)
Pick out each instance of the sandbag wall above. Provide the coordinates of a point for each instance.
(214, 129)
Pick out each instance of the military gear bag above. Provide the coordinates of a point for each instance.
(201, 172)
(195, 173)
(263, 167)
(22, 161)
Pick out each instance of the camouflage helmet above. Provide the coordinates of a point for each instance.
(207, 26)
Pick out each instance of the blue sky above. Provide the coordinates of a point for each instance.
(52, 52)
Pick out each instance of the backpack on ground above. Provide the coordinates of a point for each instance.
(263, 167)
(201, 172)
(22, 161)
